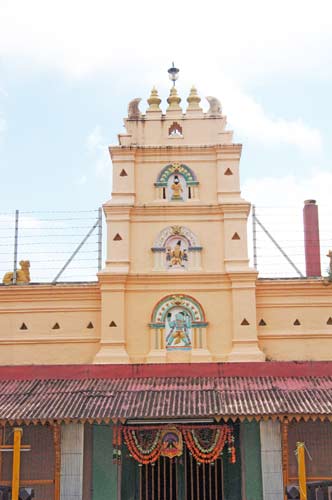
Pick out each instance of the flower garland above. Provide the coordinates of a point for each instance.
(147, 455)
(204, 443)
(209, 454)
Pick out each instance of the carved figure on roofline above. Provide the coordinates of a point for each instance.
(133, 109)
(22, 275)
(215, 106)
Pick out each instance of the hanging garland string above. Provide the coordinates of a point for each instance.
(206, 443)
(207, 451)
(143, 452)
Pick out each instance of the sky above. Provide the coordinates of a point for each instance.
(69, 68)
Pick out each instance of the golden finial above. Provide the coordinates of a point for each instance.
(193, 100)
(154, 100)
(173, 100)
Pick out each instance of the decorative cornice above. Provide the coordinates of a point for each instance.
(158, 280)
(319, 335)
(200, 148)
(49, 292)
(49, 340)
(197, 209)
(297, 286)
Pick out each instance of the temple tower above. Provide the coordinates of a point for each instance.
(177, 286)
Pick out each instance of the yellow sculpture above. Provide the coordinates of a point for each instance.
(22, 275)
(177, 189)
(177, 255)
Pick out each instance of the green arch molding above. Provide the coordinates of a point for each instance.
(176, 168)
(167, 303)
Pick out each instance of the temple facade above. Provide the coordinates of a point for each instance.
(178, 374)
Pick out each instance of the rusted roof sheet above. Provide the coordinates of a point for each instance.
(164, 397)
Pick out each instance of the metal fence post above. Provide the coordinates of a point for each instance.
(15, 246)
(100, 238)
(254, 235)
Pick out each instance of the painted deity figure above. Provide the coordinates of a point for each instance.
(179, 329)
(177, 189)
(177, 255)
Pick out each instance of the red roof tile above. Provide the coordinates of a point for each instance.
(164, 397)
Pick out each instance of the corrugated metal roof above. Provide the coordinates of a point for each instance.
(164, 397)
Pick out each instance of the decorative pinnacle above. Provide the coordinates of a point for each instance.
(193, 100)
(174, 100)
(154, 100)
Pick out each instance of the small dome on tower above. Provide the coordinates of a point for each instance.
(193, 100)
(154, 100)
(174, 100)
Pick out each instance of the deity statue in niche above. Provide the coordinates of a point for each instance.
(177, 187)
(178, 328)
(176, 253)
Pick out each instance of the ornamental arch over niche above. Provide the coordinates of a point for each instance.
(177, 248)
(178, 323)
(177, 182)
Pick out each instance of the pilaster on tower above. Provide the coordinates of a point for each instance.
(177, 285)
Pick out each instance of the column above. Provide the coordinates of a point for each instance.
(72, 439)
(104, 470)
(251, 445)
(271, 460)
(244, 328)
(113, 320)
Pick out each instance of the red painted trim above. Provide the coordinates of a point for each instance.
(264, 369)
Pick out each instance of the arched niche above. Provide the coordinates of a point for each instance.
(175, 249)
(178, 324)
(176, 182)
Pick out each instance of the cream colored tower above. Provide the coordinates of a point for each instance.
(177, 285)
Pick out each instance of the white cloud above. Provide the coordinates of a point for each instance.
(279, 207)
(234, 43)
(82, 36)
(97, 147)
(251, 121)
(95, 139)
(7, 222)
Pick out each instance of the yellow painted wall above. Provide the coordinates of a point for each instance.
(120, 304)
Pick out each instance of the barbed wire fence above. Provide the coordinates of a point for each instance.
(67, 246)
(60, 245)
(276, 240)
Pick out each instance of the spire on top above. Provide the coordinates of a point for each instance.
(154, 100)
(193, 100)
(174, 100)
(173, 73)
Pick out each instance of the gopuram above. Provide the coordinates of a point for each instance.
(179, 374)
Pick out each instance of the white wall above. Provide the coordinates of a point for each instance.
(271, 460)
(72, 439)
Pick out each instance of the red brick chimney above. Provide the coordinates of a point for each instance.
(311, 238)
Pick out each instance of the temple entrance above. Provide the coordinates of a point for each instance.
(182, 477)
(203, 481)
(159, 481)
(183, 462)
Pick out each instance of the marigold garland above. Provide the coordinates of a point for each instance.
(203, 450)
(210, 454)
(143, 456)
